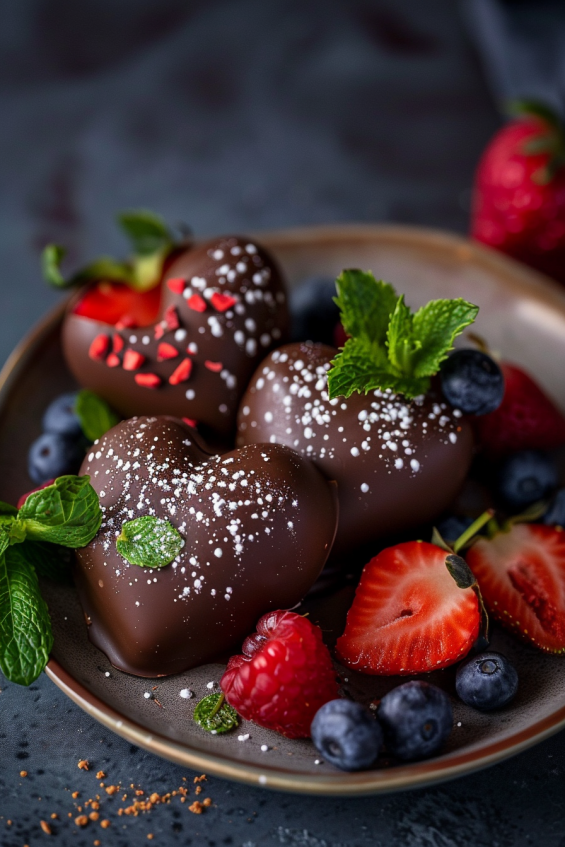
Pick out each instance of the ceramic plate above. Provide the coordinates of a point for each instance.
(523, 316)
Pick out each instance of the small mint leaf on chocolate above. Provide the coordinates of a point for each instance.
(51, 258)
(215, 715)
(149, 542)
(95, 415)
(147, 231)
(66, 513)
(26, 637)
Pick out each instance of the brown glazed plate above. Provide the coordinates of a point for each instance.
(522, 316)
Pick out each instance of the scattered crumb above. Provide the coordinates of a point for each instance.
(200, 778)
(82, 820)
(196, 808)
(198, 789)
(75, 794)
(186, 693)
(149, 835)
(105, 823)
(83, 765)
(147, 695)
(100, 775)
(45, 827)
(94, 816)
(243, 737)
(23, 773)
(264, 748)
(54, 816)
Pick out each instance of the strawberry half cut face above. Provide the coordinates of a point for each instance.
(522, 578)
(408, 615)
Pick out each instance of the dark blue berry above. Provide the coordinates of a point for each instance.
(555, 515)
(60, 416)
(526, 477)
(453, 526)
(472, 381)
(314, 315)
(347, 735)
(53, 455)
(416, 719)
(488, 681)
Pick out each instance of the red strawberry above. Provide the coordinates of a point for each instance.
(284, 675)
(522, 578)
(408, 615)
(110, 301)
(519, 202)
(525, 420)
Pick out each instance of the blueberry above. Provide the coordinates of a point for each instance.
(555, 515)
(526, 477)
(347, 735)
(416, 719)
(60, 416)
(314, 315)
(488, 681)
(53, 455)
(472, 381)
(453, 526)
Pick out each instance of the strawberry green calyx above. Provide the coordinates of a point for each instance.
(152, 242)
(390, 347)
(550, 139)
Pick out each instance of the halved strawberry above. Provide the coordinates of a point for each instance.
(409, 616)
(112, 302)
(522, 578)
(527, 419)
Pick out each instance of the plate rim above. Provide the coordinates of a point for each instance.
(415, 775)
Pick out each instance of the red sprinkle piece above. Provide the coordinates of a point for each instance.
(133, 360)
(99, 347)
(113, 361)
(182, 372)
(176, 285)
(126, 322)
(215, 367)
(148, 380)
(197, 303)
(166, 351)
(117, 343)
(172, 317)
(191, 422)
(222, 302)
(159, 331)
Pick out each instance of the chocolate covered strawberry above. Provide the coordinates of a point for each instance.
(410, 614)
(519, 201)
(184, 341)
(521, 572)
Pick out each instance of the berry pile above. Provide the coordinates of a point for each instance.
(60, 449)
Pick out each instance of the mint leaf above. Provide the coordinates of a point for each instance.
(26, 638)
(436, 326)
(215, 715)
(49, 560)
(149, 542)
(402, 346)
(51, 258)
(363, 368)
(7, 510)
(66, 513)
(365, 304)
(95, 415)
(147, 231)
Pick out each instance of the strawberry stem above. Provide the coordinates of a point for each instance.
(471, 531)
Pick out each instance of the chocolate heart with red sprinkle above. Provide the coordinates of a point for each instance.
(221, 304)
(258, 524)
(398, 464)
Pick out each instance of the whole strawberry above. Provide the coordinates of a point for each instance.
(525, 420)
(284, 675)
(519, 199)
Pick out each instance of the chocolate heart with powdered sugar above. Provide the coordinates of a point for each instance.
(258, 524)
(398, 464)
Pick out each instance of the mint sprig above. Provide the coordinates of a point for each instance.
(149, 542)
(215, 715)
(390, 347)
(65, 513)
(95, 416)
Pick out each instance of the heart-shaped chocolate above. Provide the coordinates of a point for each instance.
(398, 464)
(258, 524)
(223, 305)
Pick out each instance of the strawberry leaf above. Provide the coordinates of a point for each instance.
(215, 715)
(51, 258)
(147, 231)
(149, 542)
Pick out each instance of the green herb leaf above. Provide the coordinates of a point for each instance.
(104, 268)
(389, 347)
(149, 542)
(147, 231)
(66, 513)
(7, 510)
(49, 560)
(95, 415)
(26, 638)
(215, 715)
(51, 258)
(537, 109)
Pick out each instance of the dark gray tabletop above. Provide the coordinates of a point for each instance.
(232, 116)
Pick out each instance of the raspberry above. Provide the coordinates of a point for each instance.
(284, 675)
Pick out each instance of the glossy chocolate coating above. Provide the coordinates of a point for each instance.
(233, 340)
(258, 525)
(397, 464)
